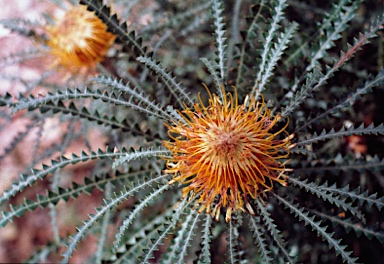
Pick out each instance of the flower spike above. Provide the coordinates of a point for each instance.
(225, 153)
(78, 40)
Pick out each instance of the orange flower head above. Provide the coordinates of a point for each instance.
(225, 153)
(79, 39)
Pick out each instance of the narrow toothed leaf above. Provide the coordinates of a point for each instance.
(41, 174)
(101, 211)
(126, 223)
(315, 226)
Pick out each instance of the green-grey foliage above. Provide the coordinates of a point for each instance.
(309, 68)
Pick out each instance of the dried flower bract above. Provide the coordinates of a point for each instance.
(79, 39)
(225, 153)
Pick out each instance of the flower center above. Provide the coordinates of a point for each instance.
(73, 30)
(225, 143)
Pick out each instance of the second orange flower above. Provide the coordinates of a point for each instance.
(78, 40)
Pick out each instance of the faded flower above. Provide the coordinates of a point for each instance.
(79, 39)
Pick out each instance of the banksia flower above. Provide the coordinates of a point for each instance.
(79, 39)
(226, 153)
